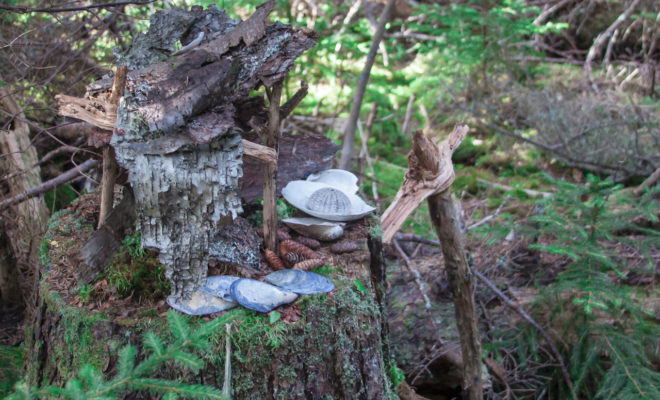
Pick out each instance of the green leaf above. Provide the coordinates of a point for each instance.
(273, 317)
(360, 286)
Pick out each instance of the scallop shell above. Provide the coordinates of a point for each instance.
(298, 193)
(300, 282)
(219, 285)
(201, 303)
(329, 200)
(260, 296)
(337, 178)
(316, 228)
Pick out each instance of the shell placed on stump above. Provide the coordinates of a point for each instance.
(219, 285)
(300, 282)
(201, 303)
(327, 204)
(329, 201)
(260, 296)
(337, 178)
(315, 228)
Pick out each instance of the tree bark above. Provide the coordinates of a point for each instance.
(447, 223)
(349, 132)
(27, 221)
(270, 170)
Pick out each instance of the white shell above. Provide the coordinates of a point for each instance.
(315, 228)
(337, 178)
(201, 303)
(329, 200)
(298, 194)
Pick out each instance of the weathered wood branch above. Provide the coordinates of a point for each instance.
(430, 173)
(259, 152)
(270, 170)
(110, 167)
(418, 184)
(349, 132)
(50, 184)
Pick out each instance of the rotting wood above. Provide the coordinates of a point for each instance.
(430, 173)
(270, 170)
(110, 167)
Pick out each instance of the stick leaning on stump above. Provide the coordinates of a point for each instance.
(430, 174)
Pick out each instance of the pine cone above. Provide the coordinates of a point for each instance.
(293, 258)
(309, 242)
(273, 260)
(344, 247)
(289, 246)
(309, 264)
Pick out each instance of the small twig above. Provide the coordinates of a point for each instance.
(405, 128)
(530, 320)
(491, 216)
(364, 153)
(48, 185)
(226, 385)
(415, 273)
(25, 10)
(499, 186)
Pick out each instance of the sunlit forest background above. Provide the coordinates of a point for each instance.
(561, 97)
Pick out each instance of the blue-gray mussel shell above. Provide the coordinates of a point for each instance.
(201, 303)
(219, 285)
(301, 282)
(260, 296)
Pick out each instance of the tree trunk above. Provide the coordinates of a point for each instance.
(25, 222)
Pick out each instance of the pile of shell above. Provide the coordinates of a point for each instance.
(223, 292)
(331, 197)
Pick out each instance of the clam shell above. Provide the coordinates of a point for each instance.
(201, 303)
(329, 200)
(219, 285)
(260, 296)
(337, 178)
(298, 194)
(315, 228)
(300, 282)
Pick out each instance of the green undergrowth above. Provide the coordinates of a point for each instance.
(609, 336)
(11, 366)
(136, 271)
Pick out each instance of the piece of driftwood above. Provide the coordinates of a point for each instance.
(430, 173)
(419, 183)
(98, 250)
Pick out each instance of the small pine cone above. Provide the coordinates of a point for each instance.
(273, 260)
(294, 247)
(282, 234)
(293, 258)
(309, 242)
(309, 264)
(344, 247)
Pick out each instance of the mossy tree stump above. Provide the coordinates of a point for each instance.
(328, 346)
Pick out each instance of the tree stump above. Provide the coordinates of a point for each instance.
(324, 346)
